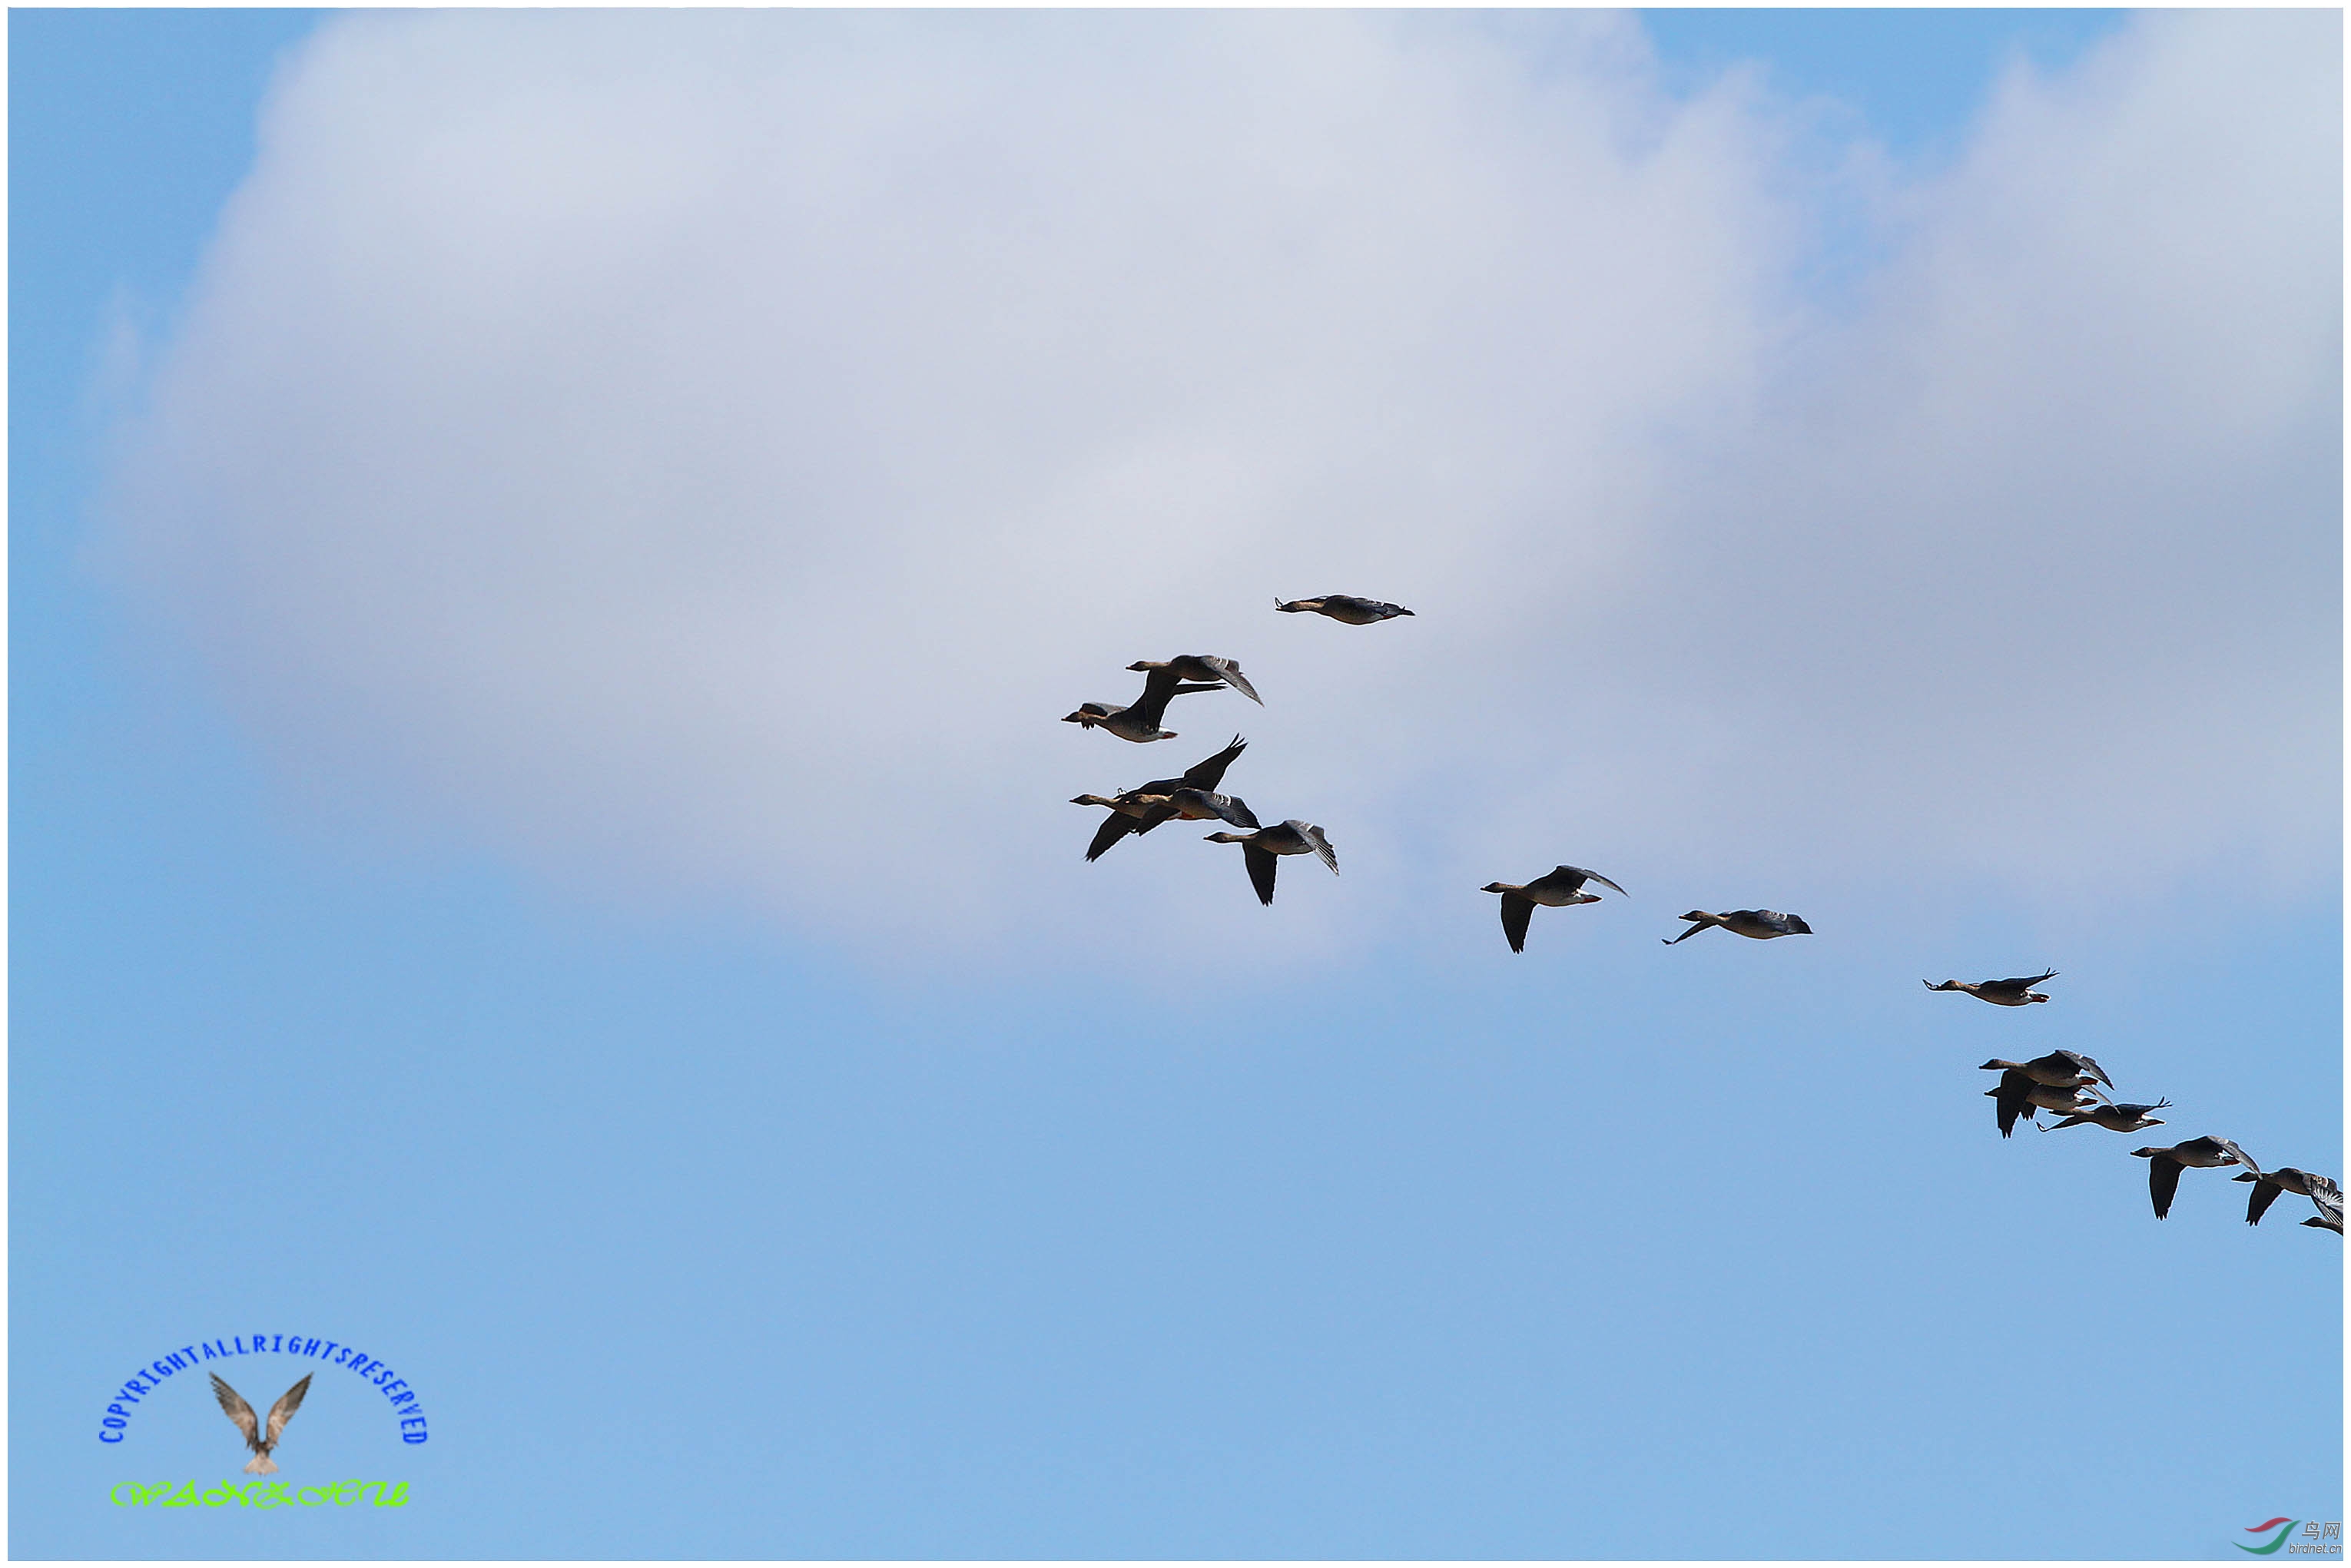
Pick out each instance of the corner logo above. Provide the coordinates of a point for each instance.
(262, 1437)
(2318, 1539)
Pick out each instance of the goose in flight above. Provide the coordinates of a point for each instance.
(2267, 1185)
(1207, 806)
(1141, 721)
(2164, 1166)
(1344, 607)
(1761, 924)
(2063, 1069)
(1999, 993)
(1557, 888)
(1141, 810)
(2113, 1118)
(257, 1438)
(2329, 1199)
(2021, 1095)
(1206, 668)
(1290, 838)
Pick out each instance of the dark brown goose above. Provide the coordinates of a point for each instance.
(2019, 1095)
(1206, 668)
(2062, 1068)
(2267, 1185)
(1141, 721)
(2164, 1166)
(1140, 809)
(1558, 888)
(1290, 838)
(1761, 924)
(1999, 993)
(2114, 1118)
(1344, 607)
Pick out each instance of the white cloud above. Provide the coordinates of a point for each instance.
(710, 450)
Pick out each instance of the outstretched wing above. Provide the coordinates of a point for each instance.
(2010, 1099)
(1210, 772)
(1230, 674)
(1583, 876)
(2083, 1062)
(283, 1411)
(2328, 1197)
(2026, 982)
(1516, 913)
(1236, 811)
(1262, 864)
(1158, 687)
(1314, 835)
(2162, 1182)
(2265, 1194)
(1115, 826)
(2239, 1155)
(234, 1407)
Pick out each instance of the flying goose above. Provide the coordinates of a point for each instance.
(1141, 721)
(2021, 1095)
(1206, 668)
(1207, 806)
(1139, 810)
(1761, 924)
(1290, 838)
(2164, 1166)
(2112, 1117)
(2267, 1185)
(1557, 888)
(234, 1407)
(1999, 993)
(1344, 607)
(2062, 1068)
(2329, 1199)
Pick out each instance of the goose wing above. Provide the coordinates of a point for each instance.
(2238, 1154)
(1235, 809)
(2162, 1182)
(1314, 835)
(2083, 1062)
(2011, 1098)
(1262, 864)
(2024, 982)
(1583, 876)
(283, 1411)
(234, 1407)
(1158, 687)
(1516, 913)
(2328, 1197)
(1209, 772)
(2264, 1194)
(1115, 826)
(1230, 674)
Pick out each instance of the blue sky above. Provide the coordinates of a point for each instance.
(728, 1099)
